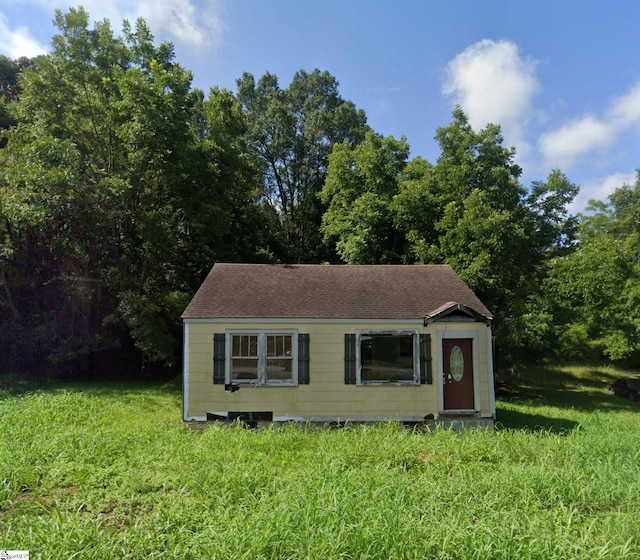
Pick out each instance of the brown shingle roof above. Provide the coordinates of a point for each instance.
(329, 292)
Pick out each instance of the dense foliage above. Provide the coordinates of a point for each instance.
(594, 291)
(120, 186)
(290, 134)
(468, 209)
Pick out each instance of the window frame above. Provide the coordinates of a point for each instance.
(414, 333)
(262, 379)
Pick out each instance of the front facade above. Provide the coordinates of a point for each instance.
(326, 343)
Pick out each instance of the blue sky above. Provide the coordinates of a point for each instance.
(561, 78)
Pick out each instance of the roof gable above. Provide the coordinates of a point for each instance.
(451, 309)
(330, 292)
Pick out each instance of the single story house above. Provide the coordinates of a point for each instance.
(324, 343)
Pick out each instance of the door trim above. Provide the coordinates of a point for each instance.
(475, 349)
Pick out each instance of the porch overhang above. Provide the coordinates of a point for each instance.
(453, 307)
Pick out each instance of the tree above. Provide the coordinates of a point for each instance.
(361, 183)
(596, 289)
(10, 72)
(113, 206)
(468, 210)
(416, 211)
(290, 134)
(498, 236)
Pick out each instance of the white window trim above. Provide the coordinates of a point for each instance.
(416, 355)
(262, 357)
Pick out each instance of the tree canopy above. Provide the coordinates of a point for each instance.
(291, 133)
(468, 210)
(595, 289)
(121, 185)
(112, 208)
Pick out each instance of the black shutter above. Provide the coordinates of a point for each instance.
(426, 374)
(219, 345)
(303, 359)
(350, 359)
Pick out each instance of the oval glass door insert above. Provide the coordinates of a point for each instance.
(456, 363)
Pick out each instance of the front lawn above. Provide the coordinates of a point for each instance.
(110, 471)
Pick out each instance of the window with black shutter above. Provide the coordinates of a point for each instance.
(392, 357)
(350, 359)
(219, 346)
(426, 372)
(265, 357)
(303, 359)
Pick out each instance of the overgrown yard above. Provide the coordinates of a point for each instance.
(108, 471)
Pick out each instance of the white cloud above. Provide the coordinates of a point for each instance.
(18, 42)
(567, 144)
(561, 147)
(193, 23)
(493, 83)
(625, 111)
(600, 188)
(182, 21)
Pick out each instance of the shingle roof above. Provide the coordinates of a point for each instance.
(329, 292)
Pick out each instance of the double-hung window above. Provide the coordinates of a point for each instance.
(244, 357)
(262, 357)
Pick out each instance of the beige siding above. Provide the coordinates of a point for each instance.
(326, 396)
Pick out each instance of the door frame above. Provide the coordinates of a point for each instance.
(474, 335)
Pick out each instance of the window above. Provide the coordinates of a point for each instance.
(392, 357)
(262, 357)
(387, 357)
(279, 357)
(244, 357)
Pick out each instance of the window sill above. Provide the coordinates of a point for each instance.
(267, 384)
(387, 384)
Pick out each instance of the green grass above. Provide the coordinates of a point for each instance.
(110, 471)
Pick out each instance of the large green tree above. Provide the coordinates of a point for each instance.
(361, 183)
(468, 210)
(112, 205)
(595, 290)
(291, 132)
(498, 235)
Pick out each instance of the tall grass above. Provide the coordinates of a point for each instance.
(111, 472)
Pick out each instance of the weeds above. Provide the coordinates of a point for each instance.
(111, 472)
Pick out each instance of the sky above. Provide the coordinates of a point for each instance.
(561, 78)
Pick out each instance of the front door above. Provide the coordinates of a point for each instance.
(457, 362)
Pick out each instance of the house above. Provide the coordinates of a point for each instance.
(326, 343)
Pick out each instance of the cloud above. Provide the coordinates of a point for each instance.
(187, 24)
(192, 23)
(625, 111)
(493, 83)
(18, 42)
(600, 188)
(565, 146)
(561, 147)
